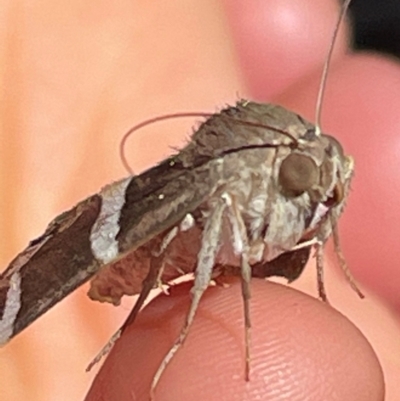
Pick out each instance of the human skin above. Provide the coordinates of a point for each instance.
(76, 93)
(301, 349)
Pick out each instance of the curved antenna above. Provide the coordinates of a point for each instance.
(164, 117)
(148, 122)
(322, 86)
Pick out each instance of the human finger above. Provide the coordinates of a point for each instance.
(300, 349)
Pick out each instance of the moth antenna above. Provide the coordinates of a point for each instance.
(149, 122)
(324, 77)
(272, 128)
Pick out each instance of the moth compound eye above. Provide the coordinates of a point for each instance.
(298, 173)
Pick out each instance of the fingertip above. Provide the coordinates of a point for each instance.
(301, 349)
(277, 42)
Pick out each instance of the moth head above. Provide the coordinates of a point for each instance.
(324, 176)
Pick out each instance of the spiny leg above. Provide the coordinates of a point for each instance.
(153, 277)
(342, 260)
(156, 266)
(155, 271)
(320, 272)
(241, 246)
(246, 295)
(210, 244)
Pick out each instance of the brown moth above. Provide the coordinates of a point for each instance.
(252, 193)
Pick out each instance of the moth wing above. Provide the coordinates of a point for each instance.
(64, 257)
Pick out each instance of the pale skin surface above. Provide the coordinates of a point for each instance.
(99, 77)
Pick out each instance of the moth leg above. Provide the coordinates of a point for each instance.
(241, 246)
(152, 278)
(342, 261)
(305, 244)
(156, 266)
(160, 284)
(320, 272)
(210, 244)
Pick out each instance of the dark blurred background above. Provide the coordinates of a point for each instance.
(377, 25)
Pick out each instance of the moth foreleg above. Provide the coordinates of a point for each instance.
(331, 228)
(342, 260)
(210, 244)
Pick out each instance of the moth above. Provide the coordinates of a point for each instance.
(252, 193)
